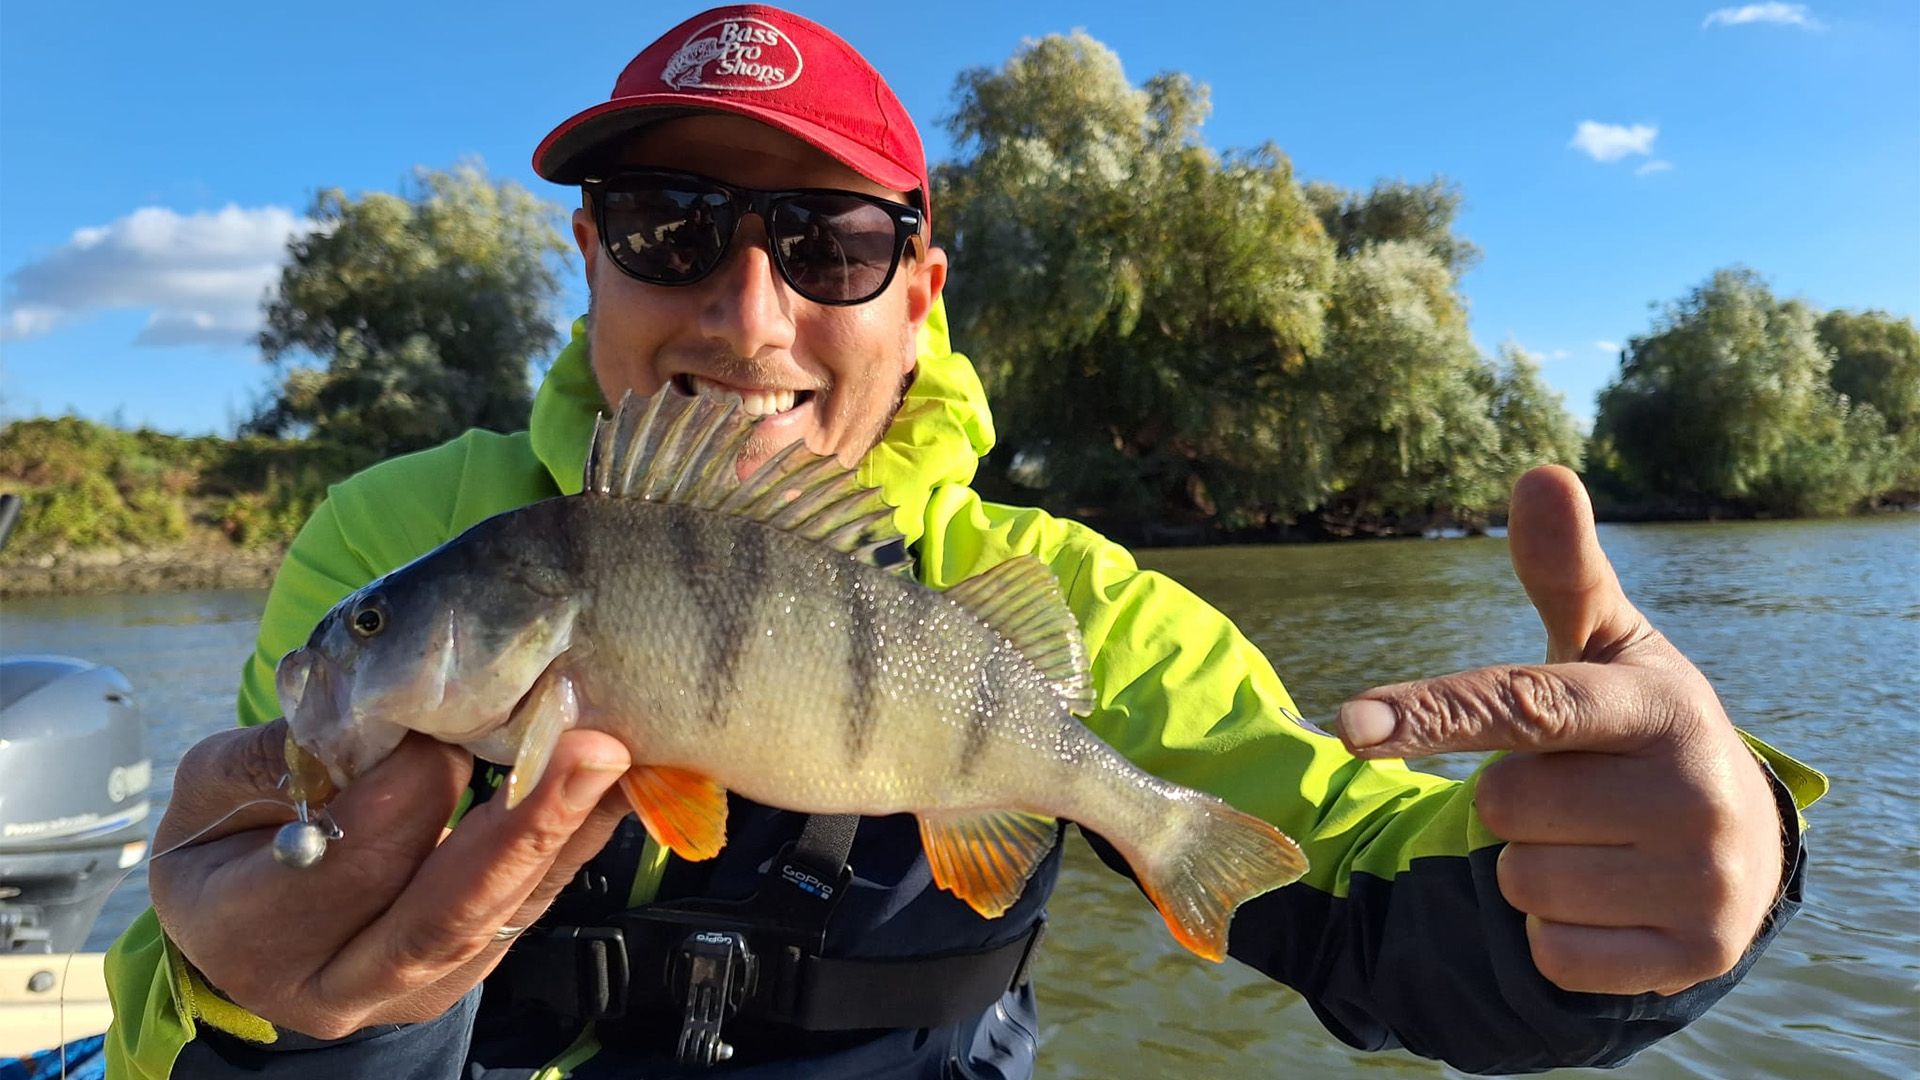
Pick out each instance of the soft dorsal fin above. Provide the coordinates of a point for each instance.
(1021, 599)
(681, 451)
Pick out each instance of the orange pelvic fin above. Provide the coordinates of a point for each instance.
(986, 858)
(685, 811)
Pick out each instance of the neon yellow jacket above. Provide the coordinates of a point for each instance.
(1396, 855)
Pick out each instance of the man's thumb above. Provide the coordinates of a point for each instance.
(1557, 557)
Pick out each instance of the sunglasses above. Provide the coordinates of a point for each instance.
(674, 228)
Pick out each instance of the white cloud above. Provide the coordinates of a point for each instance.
(1559, 354)
(1607, 346)
(201, 275)
(1653, 167)
(29, 320)
(1611, 142)
(1784, 14)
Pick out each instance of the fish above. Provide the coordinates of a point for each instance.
(765, 636)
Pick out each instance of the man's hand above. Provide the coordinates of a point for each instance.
(397, 921)
(1643, 841)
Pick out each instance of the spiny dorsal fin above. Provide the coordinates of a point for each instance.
(679, 450)
(1021, 600)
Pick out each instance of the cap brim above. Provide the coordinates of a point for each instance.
(565, 154)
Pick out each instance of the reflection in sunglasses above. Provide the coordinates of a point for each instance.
(673, 229)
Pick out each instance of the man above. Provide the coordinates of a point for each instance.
(754, 222)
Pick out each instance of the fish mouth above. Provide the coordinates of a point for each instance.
(758, 402)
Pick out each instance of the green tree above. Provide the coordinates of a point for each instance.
(1876, 360)
(1395, 210)
(1134, 297)
(424, 310)
(1412, 432)
(1530, 418)
(1728, 403)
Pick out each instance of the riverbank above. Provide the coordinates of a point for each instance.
(135, 570)
(207, 562)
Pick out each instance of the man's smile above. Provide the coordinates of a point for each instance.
(760, 401)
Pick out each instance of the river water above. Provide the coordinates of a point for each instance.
(1810, 631)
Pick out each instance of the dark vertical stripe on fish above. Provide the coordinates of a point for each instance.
(984, 700)
(863, 666)
(726, 614)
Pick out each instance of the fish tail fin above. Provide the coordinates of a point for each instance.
(1212, 860)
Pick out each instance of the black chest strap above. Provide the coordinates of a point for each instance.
(758, 958)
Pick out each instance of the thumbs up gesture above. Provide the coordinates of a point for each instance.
(1643, 842)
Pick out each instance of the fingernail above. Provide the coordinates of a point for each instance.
(590, 781)
(1366, 722)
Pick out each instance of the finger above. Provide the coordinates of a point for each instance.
(401, 805)
(1588, 885)
(1573, 797)
(480, 875)
(1510, 707)
(391, 817)
(432, 1000)
(582, 846)
(223, 771)
(1557, 557)
(1622, 960)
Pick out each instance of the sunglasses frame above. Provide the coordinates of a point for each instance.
(907, 221)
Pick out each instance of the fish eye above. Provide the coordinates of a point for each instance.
(369, 620)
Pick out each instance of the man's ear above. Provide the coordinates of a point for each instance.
(923, 288)
(586, 236)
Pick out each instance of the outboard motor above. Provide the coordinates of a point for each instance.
(74, 775)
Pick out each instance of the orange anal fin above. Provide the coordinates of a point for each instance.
(685, 811)
(986, 858)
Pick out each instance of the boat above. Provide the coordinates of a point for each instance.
(74, 804)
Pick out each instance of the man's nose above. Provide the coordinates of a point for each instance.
(748, 306)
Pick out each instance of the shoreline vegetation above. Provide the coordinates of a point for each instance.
(113, 511)
(208, 563)
(1182, 346)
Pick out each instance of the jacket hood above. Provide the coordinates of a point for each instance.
(937, 438)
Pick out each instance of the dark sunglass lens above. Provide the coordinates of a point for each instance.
(834, 248)
(665, 233)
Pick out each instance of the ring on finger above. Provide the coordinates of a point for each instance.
(508, 933)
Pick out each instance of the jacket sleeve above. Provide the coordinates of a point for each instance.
(369, 524)
(1398, 936)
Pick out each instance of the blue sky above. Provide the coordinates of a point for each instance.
(1612, 155)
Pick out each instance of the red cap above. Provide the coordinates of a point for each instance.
(760, 62)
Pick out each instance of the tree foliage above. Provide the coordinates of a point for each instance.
(1876, 361)
(88, 485)
(1167, 329)
(1530, 419)
(1421, 214)
(1730, 403)
(424, 310)
(1125, 288)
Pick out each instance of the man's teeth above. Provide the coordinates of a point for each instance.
(752, 402)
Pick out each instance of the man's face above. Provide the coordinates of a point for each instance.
(829, 375)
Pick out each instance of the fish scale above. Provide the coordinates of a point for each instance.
(749, 636)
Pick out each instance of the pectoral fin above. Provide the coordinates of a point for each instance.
(685, 811)
(986, 858)
(550, 708)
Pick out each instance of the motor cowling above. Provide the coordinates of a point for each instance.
(74, 799)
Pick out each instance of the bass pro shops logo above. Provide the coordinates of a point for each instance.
(734, 54)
